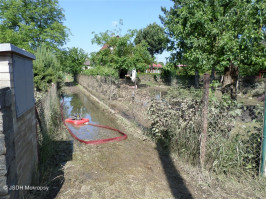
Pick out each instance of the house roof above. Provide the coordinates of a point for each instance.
(157, 65)
(105, 46)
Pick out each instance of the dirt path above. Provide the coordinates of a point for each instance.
(127, 169)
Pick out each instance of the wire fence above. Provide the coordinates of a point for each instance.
(202, 126)
(218, 134)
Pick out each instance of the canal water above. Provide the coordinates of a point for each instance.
(80, 105)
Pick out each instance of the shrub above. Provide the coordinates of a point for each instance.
(101, 71)
(46, 69)
(233, 145)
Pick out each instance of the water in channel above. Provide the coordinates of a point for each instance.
(80, 105)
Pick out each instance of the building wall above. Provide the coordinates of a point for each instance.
(7, 151)
(20, 142)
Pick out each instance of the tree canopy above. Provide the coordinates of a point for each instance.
(72, 60)
(30, 23)
(154, 36)
(120, 53)
(207, 33)
(222, 34)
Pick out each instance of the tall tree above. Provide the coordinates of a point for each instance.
(72, 60)
(30, 23)
(222, 34)
(120, 53)
(154, 36)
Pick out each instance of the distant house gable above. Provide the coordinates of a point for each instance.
(87, 64)
(154, 68)
(105, 46)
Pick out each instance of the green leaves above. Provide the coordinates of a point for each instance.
(46, 69)
(155, 38)
(30, 23)
(120, 53)
(216, 32)
(72, 60)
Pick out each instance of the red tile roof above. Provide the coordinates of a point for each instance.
(157, 65)
(105, 46)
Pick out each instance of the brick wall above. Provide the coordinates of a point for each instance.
(7, 153)
(18, 142)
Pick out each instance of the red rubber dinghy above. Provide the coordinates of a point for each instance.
(77, 121)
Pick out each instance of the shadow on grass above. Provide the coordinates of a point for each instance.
(175, 180)
(51, 172)
(54, 174)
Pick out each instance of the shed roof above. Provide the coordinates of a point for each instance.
(7, 47)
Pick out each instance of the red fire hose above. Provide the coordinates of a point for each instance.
(123, 137)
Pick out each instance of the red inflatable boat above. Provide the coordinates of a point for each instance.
(77, 121)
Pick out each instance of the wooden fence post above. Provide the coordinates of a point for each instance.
(204, 120)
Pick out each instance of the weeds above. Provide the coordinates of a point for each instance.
(50, 146)
(177, 121)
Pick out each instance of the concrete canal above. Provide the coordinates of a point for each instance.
(78, 105)
(132, 168)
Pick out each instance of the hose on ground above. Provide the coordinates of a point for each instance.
(101, 141)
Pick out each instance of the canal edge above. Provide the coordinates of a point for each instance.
(134, 130)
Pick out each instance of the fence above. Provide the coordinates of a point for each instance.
(123, 98)
(206, 129)
(216, 133)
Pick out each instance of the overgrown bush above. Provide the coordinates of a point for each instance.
(259, 89)
(101, 71)
(46, 69)
(166, 75)
(177, 122)
(233, 145)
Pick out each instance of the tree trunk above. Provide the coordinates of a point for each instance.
(229, 82)
(212, 74)
(75, 77)
(212, 78)
(197, 78)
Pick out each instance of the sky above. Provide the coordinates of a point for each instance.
(86, 16)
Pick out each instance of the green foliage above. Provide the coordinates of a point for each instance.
(101, 71)
(213, 33)
(154, 36)
(233, 146)
(46, 69)
(120, 52)
(166, 74)
(72, 60)
(30, 23)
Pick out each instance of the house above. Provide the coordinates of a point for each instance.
(87, 65)
(155, 68)
(105, 46)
